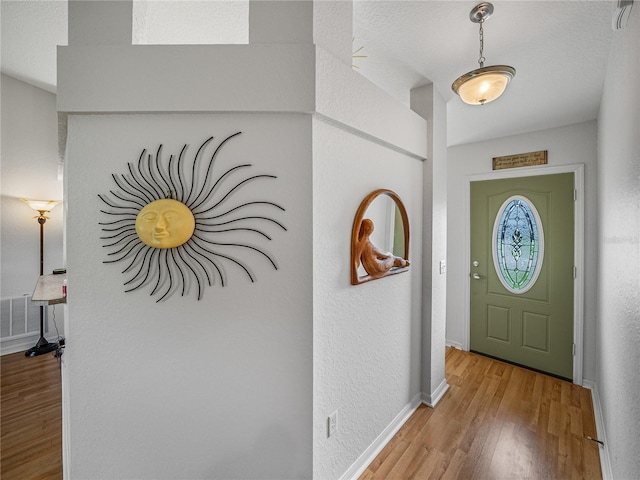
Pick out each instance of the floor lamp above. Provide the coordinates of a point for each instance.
(42, 207)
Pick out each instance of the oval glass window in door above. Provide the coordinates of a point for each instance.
(518, 244)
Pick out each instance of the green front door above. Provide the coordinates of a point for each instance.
(522, 266)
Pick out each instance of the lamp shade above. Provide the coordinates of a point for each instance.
(41, 205)
(483, 85)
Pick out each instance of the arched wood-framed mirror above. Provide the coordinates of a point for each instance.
(379, 238)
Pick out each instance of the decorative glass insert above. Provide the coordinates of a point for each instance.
(518, 244)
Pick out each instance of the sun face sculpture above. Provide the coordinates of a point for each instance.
(165, 223)
(175, 225)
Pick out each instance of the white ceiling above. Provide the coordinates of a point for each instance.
(559, 49)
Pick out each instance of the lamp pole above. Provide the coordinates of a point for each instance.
(43, 345)
(41, 220)
(42, 207)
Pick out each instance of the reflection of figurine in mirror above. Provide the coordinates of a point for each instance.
(375, 262)
(165, 223)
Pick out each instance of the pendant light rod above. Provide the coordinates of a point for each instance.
(481, 57)
(479, 14)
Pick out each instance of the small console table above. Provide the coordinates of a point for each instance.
(48, 291)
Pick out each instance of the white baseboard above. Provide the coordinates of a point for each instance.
(22, 343)
(369, 455)
(605, 461)
(66, 422)
(433, 399)
(451, 343)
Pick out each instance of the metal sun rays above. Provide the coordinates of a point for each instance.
(223, 221)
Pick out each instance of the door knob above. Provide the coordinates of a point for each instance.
(477, 276)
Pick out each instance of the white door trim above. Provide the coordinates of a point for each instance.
(578, 284)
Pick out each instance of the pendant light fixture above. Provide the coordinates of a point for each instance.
(484, 84)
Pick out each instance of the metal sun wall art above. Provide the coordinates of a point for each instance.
(175, 225)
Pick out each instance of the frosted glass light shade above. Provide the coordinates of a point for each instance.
(41, 205)
(483, 85)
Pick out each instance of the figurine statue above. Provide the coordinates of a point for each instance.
(374, 261)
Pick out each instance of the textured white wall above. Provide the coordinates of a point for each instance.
(217, 388)
(574, 144)
(618, 330)
(366, 337)
(233, 389)
(439, 293)
(29, 170)
(428, 103)
(170, 23)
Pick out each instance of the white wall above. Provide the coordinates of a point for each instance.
(29, 170)
(573, 144)
(366, 337)
(618, 330)
(217, 388)
(232, 386)
(427, 102)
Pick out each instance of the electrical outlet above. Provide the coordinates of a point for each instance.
(443, 267)
(332, 424)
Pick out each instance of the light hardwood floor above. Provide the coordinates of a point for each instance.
(496, 421)
(31, 423)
